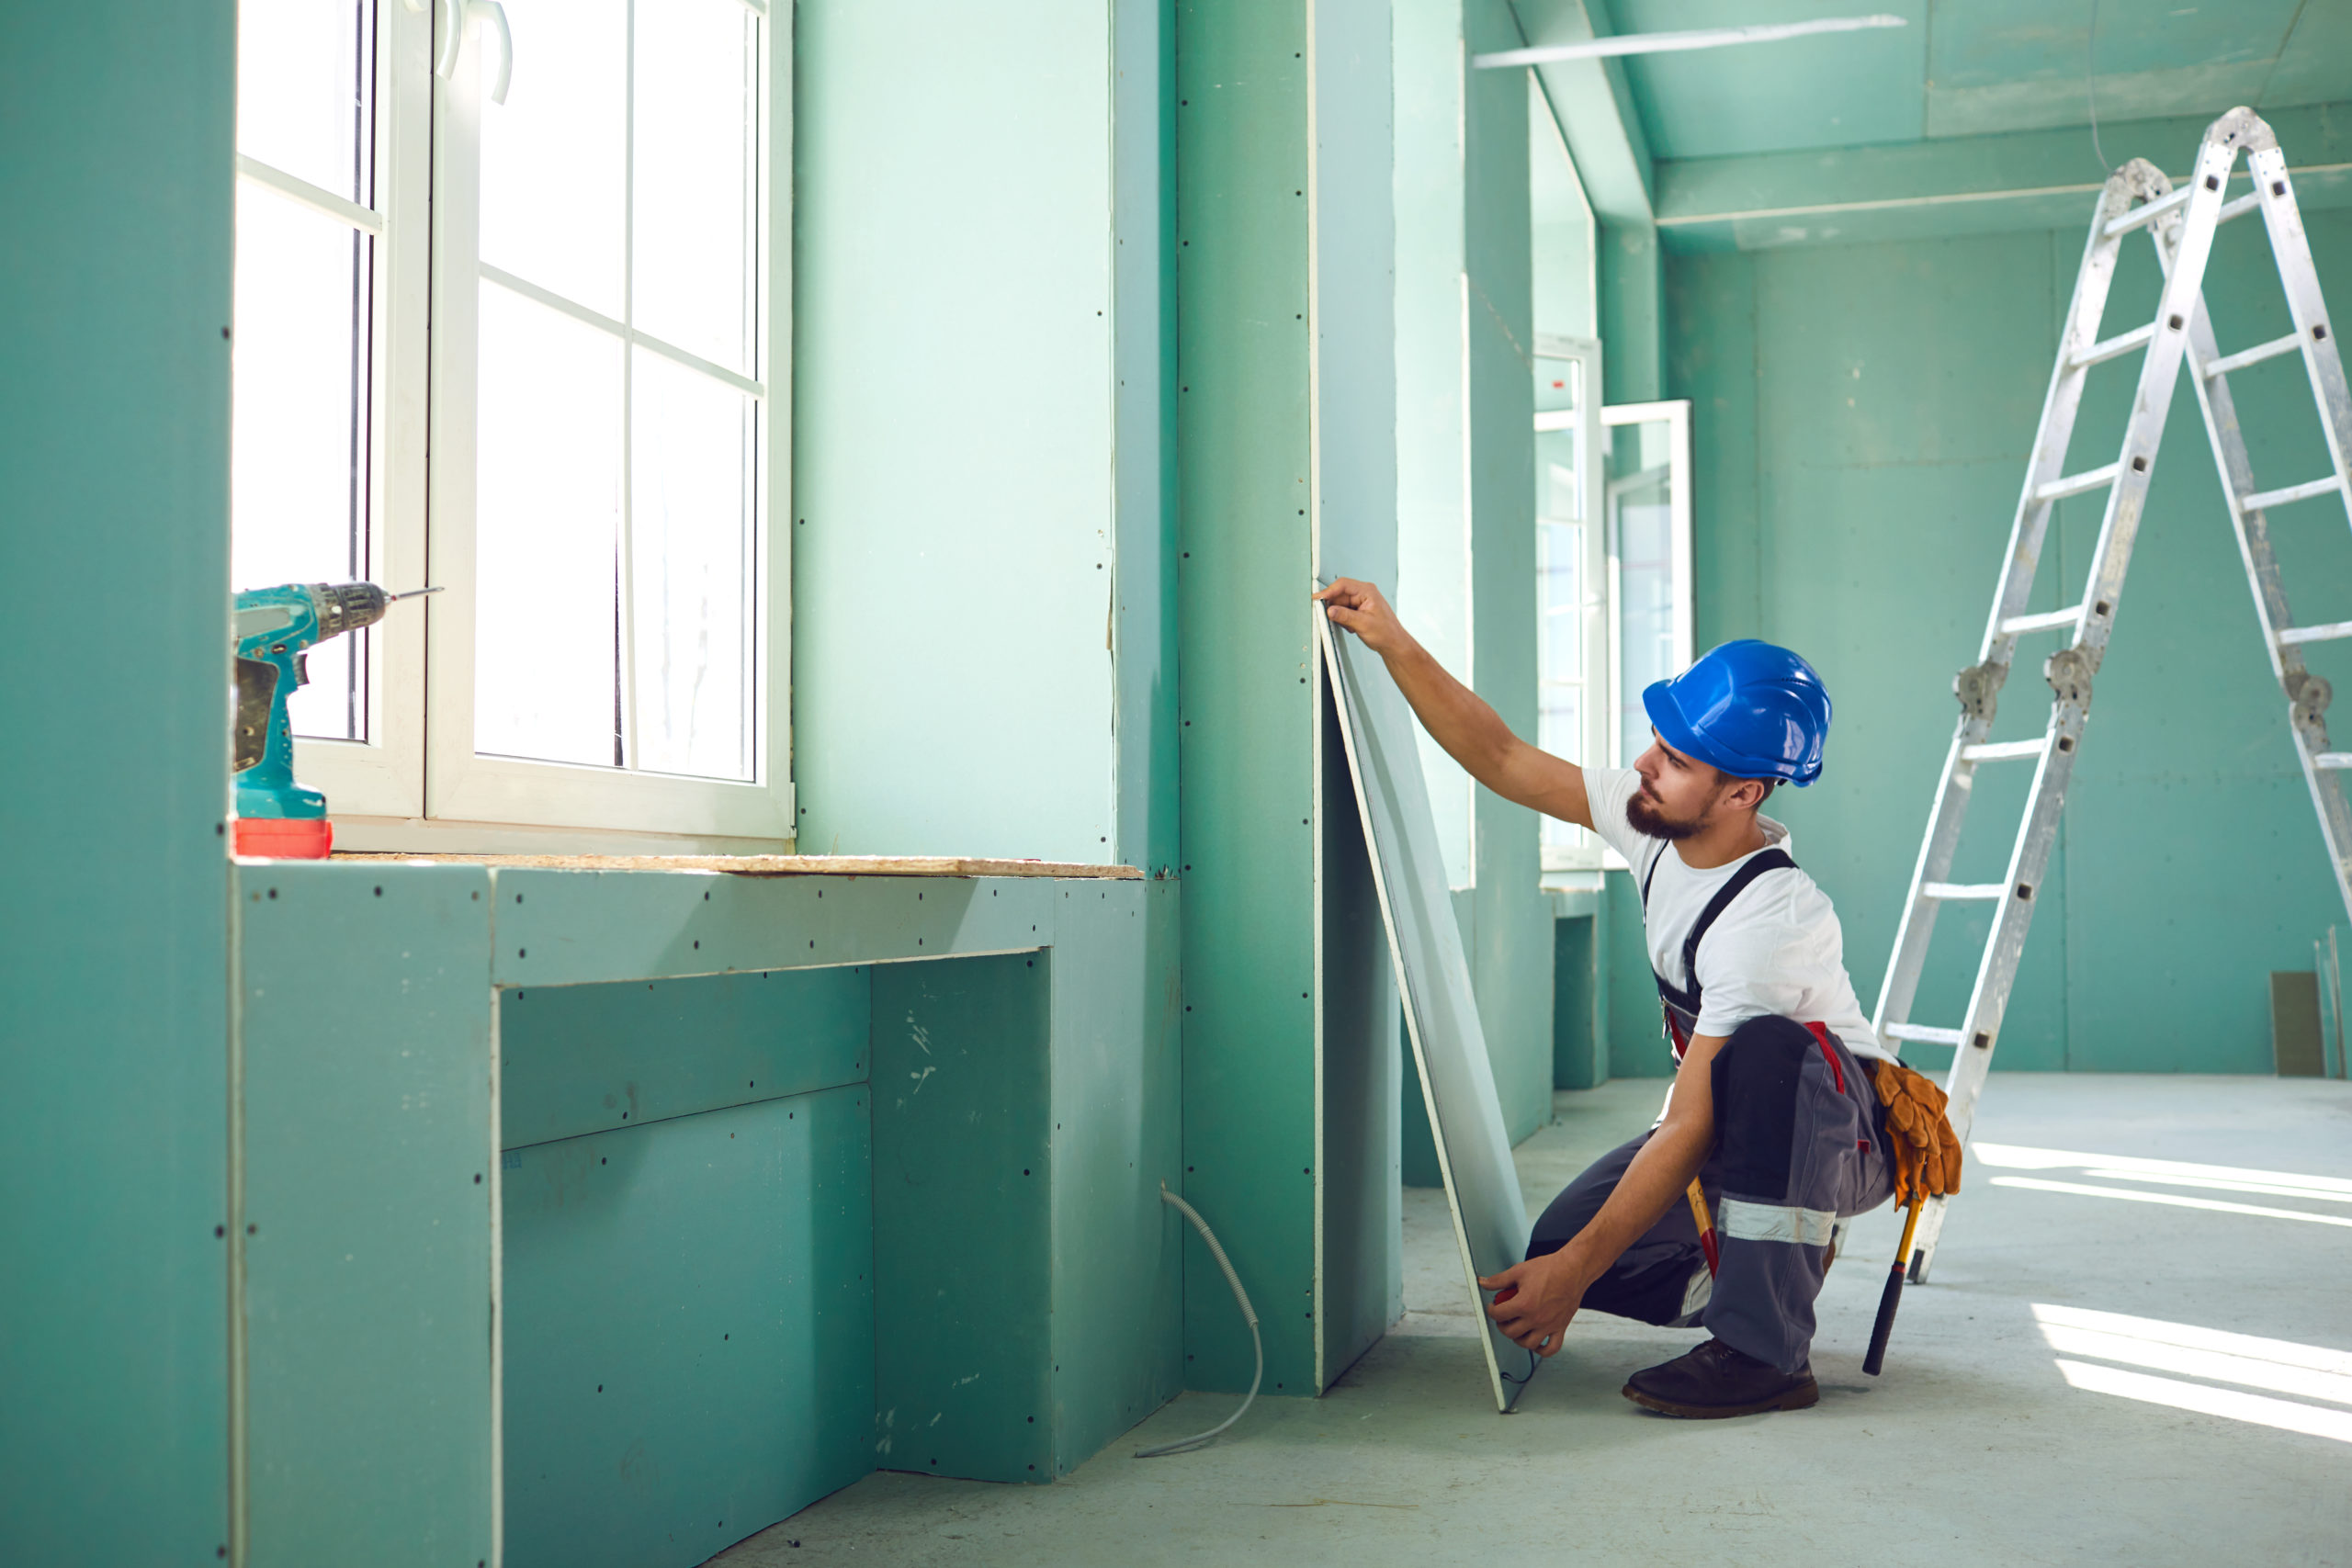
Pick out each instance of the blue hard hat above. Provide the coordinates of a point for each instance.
(1749, 708)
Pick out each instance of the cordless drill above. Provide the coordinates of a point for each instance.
(275, 628)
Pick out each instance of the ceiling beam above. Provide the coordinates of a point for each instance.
(1595, 110)
(1958, 185)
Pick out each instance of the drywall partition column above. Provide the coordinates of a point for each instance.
(1511, 958)
(115, 295)
(1282, 198)
(956, 490)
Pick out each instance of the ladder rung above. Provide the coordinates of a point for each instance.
(2255, 355)
(1952, 891)
(2326, 759)
(2237, 208)
(2328, 633)
(2074, 484)
(2114, 347)
(2009, 750)
(2270, 498)
(1924, 1033)
(2045, 621)
(2150, 212)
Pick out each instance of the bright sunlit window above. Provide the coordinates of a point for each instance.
(1572, 656)
(506, 306)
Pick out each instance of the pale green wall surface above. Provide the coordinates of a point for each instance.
(1861, 416)
(956, 492)
(115, 180)
(690, 1309)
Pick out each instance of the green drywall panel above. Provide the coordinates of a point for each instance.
(1511, 955)
(1636, 1046)
(962, 1222)
(1866, 535)
(1117, 1343)
(1248, 803)
(690, 1330)
(364, 1007)
(1561, 227)
(955, 486)
(1578, 1060)
(1631, 276)
(568, 928)
(578, 1059)
(1361, 1160)
(1433, 581)
(1143, 214)
(114, 541)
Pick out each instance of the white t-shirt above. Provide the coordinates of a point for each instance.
(1778, 949)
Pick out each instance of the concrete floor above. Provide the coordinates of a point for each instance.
(1974, 1448)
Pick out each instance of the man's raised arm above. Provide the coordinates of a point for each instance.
(1455, 716)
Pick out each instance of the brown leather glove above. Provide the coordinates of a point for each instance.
(1927, 1152)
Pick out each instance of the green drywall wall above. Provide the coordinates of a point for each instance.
(963, 1232)
(1578, 1058)
(1247, 801)
(1432, 400)
(956, 492)
(578, 1059)
(1510, 936)
(1633, 313)
(1561, 229)
(115, 121)
(690, 1342)
(1143, 215)
(1118, 1261)
(1862, 415)
(365, 1230)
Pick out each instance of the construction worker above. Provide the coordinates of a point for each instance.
(1782, 1097)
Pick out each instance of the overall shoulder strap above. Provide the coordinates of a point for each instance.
(1659, 854)
(1756, 865)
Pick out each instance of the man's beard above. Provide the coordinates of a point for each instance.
(1649, 822)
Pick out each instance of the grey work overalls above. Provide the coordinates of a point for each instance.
(1800, 1143)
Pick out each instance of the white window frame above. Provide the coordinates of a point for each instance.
(416, 782)
(383, 775)
(1676, 415)
(1598, 647)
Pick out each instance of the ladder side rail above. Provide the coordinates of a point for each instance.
(2290, 249)
(1996, 975)
(2189, 236)
(1979, 687)
(2307, 697)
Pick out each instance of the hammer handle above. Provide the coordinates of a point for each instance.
(1892, 1297)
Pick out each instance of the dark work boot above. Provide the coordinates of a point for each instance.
(1716, 1381)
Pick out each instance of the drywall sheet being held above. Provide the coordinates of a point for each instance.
(1440, 1014)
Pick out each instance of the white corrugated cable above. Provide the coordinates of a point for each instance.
(1255, 1341)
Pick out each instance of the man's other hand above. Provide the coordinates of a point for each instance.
(1534, 1301)
(1360, 608)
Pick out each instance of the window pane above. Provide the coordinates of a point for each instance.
(1558, 384)
(305, 80)
(690, 538)
(546, 536)
(299, 481)
(552, 155)
(697, 198)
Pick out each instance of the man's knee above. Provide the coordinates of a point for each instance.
(1755, 1078)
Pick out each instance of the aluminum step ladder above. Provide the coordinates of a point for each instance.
(2181, 222)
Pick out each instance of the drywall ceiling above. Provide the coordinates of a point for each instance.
(1972, 68)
